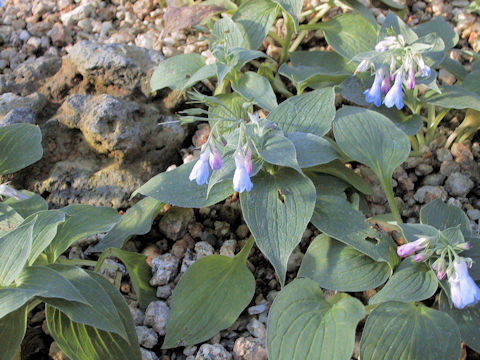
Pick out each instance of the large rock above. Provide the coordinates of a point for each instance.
(116, 69)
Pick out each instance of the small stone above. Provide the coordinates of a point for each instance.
(79, 13)
(228, 248)
(294, 260)
(378, 196)
(257, 329)
(55, 353)
(249, 348)
(257, 309)
(458, 184)
(156, 316)
(137, 315)
(454, 202)
(473, 214)
(427, 193)
(147, 337)
(242, 231)
(148, 355)
(18, 115)
(33, 44)
(142, 7)
(164, 292)
(164, 268)
(444, 155)
(189, 350)
(449, 167)
(461, 152)
(434, 179)
(212, 352)
(175, 222)
(187, 261)
(423, 169)
(446, 77)
(203, 248)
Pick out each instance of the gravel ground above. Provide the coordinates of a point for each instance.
(32, 29)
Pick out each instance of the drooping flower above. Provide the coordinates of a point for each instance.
(201, 168)
(363, 66)
(423, 69)
(8, 191)
(386, 44)
(394, 96)
(411, 78)
(241, 179)
(411, 247)
(386, 84)
(463, 290)
(215, 159)
(248, 161)
(374, 94)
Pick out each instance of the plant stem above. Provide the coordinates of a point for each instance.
(33, 305)
(288, 38)
(322, 10)
(415, 146)
(386, 183)
(434, 122)
(83, 262)
(275, 37)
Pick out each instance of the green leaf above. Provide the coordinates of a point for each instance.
(44, 231)
(336, 266)
(205, 72)
(82, 342)
(278, 150)
(371, 139)
(350, 34)
(440, 27)
(358, 6)
(81, 221)
(467, 319)
(411, 282)
(277, 211)
(9, 219)
(329, 217)
(393, 23)
(255, 18)
(20, 146)
(413, 232)
(393, 4)
(136, 221)
(454, 67)
(405, 331)
(209, 298)
(410, 125)
(312, 112)
(326, 184)
(27, 207)
(256, 88)
(139, 271)
(100, 312)
(227, 33)
(453, 97)
(13, 328)
(175, 72)
(442, 216)
(174, 187)
(472, 82)
(352, 88)
(292, 7)
(302, 324)
(15, 248)
(312, 149)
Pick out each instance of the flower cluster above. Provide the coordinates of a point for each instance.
(463, 290)
(392, 60)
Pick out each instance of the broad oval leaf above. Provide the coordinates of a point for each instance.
(292, 7)
(255, 18)
(278, 150)
(256, 88)
(138, 270)
(27, 207)
(411, 282)
(442, 216)
(15, 249)
(20, 146)
(9, 219)
(303, 325)
(406, 331)
(467, 319)
(350, 34)
(439, 26)
(13, 328)
(393, 22)
(82, 342)
(81, 221)
(371, 139)
(277, 211)
(312, 149)
(227, 33)
(312, 112)
(453, 97)
(136, 221)
(174, 187)
(208, 298)
(176, 71)
(336, 266)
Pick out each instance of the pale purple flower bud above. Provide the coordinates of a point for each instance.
(440, 275)
(423, 69)
(386, 84)
(463, 290)
(411, 247)
(374, 94)
(411, 78)
(394, 96)
(215, 159)
(248, 161)
(241, 179)
(418, 257)
(363, 66)
(8, 191)
(201, 169)
(385, 44)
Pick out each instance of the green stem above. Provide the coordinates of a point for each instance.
(323, 9)
(275, 37)
(414, 143)
(288, 38)
(82, 262)
(420, 138)
(243, 254)
(221, 88)
(386, 183)
(434, 122)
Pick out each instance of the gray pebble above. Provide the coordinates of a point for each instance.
(212, 352)
(156, 316)
(148, 355)
(458, 184)
(427, 193)
(203, 248)
(164, 268)
(147, 337)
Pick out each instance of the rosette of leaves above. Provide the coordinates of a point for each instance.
(86, 315)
